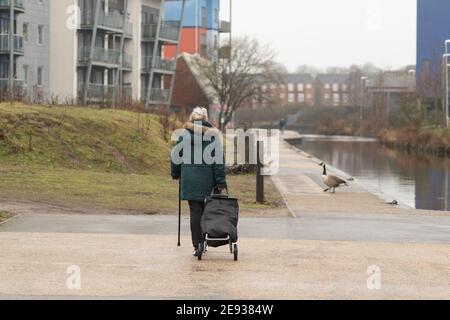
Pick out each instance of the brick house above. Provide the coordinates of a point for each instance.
(332, 90)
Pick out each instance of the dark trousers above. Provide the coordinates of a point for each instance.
(197, 209)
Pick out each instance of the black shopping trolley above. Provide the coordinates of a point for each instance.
(219, 224)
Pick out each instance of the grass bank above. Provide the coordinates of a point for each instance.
(95, 159)
(426, 140)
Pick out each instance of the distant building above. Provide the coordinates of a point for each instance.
(387, 89)
(289, 90)
(332, 90)
(201, 28)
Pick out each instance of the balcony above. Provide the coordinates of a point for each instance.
(225, 27)
(127, 61)
(19, 5)
(168, 32)
(128, 30)
(17, 44)
(18, 84)
(101, 56)
(157, 96)
(98, 91)
(112, 21)
(161, 65)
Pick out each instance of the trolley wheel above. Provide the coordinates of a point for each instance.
(200, 252)
(236, 252)
(231, 247)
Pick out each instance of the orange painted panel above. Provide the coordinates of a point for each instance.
(187, 43)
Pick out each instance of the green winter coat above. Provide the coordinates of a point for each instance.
(198, 180)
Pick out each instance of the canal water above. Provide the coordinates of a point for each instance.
(422, 182)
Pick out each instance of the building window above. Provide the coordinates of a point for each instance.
(291, 97)
(326, 96)
(336, 99)
(25, 74)
(309, 86)
(25, 32)
(346, 98)
(40, 34)
(344, 87)
(327, 86)
(300, 87)
(216, 15)
(335, 87)
(264, 88)
(204, 17)
(40, 73)
(301, 97)
(291, 87)
(309, 96)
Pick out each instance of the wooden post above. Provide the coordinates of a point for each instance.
(259, 177)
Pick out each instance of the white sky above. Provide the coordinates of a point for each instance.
(330, 32)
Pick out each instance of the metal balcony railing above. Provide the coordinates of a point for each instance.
(98, 91)
(100, 55)
(168, 32)
(225, 26)
(128, 29)
(18, 84)
(111, 20)
(156, 95)
(17, 43)
(18, 4)
(127, 61)
(160, 64)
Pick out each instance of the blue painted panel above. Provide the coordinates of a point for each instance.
(173, 9)
(433, 28)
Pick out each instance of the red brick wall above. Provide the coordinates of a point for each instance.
(186, 92)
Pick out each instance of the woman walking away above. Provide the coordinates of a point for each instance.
(198, 178)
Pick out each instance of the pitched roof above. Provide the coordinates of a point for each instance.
(203, 82)
(298, 78)
(333, 78)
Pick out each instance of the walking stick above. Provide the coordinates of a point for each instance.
(179, 213)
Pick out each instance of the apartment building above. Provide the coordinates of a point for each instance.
(93, 51)
(201, 28)
(11, 44)
(332, 90)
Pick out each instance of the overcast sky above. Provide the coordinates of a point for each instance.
(331, 32)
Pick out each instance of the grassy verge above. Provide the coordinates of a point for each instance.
(95, 159)
(146, 194)
(5, 216)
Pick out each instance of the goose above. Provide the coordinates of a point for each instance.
(332, 182)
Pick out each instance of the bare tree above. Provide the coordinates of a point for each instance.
(238, 80)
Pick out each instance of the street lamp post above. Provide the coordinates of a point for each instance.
(446, 65)
(363, 87)
(445, 95)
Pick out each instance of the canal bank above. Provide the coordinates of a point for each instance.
(299, 181)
